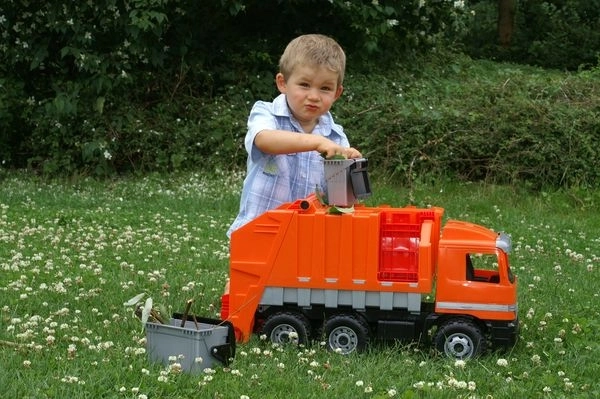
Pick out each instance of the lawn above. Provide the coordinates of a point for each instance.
(71, 254)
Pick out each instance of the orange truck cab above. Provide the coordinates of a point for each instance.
(348, 274)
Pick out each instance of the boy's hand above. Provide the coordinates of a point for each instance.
(330, 149)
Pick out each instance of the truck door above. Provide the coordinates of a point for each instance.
(478, 283)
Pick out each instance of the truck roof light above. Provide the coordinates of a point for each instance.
(504, 242)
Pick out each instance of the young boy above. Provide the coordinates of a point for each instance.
(287, 138)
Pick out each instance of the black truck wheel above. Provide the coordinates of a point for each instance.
(346, 333)
(460, 339)
(287, 328)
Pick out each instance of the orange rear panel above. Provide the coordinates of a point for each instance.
(302, 245)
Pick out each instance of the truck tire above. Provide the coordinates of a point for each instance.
(346, 333)
(460, 339)
(287, 328)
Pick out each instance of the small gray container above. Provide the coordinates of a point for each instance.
(347, 181)
(195, 346)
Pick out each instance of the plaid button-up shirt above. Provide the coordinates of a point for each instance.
(275, 179)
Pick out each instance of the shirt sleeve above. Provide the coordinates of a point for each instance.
(261, 118)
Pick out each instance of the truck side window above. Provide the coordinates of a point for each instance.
(482, 267)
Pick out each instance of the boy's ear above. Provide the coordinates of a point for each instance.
(280, 82)
(339, 91)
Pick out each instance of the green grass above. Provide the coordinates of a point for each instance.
(72, 253)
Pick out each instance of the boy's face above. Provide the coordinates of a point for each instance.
(310, 91)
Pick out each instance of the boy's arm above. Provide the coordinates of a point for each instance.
(284, 142)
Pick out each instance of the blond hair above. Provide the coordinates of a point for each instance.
(313, 50)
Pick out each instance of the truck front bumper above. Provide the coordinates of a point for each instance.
(504, 333)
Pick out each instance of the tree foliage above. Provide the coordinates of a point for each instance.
(561, 34)
(90, 84)
(115, 86)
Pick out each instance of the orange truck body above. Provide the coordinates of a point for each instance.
(391, 273)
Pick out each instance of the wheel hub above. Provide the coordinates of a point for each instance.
(459, 346)
(344, 339)
(284, 334)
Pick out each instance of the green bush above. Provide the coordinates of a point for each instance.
(94, 87)
(111, 87)
(471, 120)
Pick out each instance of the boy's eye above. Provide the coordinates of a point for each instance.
(326, 88)
(303, 84)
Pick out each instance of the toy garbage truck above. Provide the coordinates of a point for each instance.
(349, 274)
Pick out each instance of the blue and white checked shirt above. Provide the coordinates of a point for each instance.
(275, 179)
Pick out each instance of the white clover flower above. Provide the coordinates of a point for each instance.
(460, 364)
(359, 383)
(175, 368)
(502, 362)
(557, 268)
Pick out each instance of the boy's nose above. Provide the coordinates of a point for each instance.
(314, 95)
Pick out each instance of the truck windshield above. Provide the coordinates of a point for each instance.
(504, 259)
